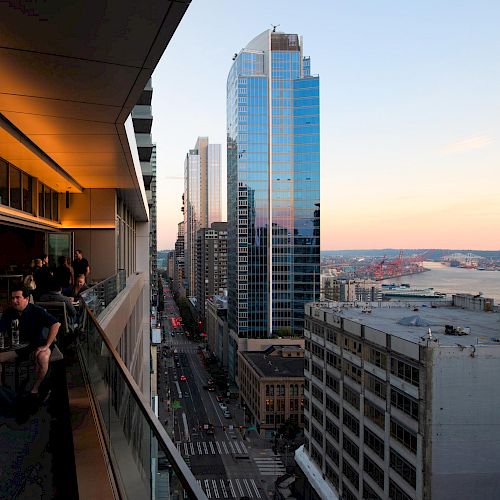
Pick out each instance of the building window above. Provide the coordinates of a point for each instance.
(334, 360)
(317, 414)
(405, 371)
(406, 437)
(350, 473)
(351, 396)
(317, 371)
(351, 448)
(352, 371)
(374, 443)
(369, 493)
(317, 456)
(404, 468)
(396, 493)
(374, 471)
(332, 476)
(376, 415)
(317, 435)
(347, 494)
(333, 383)
(351, 422)
(375, 385)
(16, 188)
(352, 345)
(332, 406)
(4, 182)
(317, 392)
(332, 452)
(376, 357)
(332, 429)
(405, 403)
(269, 390)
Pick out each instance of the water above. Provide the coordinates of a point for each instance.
(454, 279)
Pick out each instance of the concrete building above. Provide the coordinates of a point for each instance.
(211, 264)
(216, 328)
(401, 401)
(179, 267)
(202, 200)
(350, 290)
(271, 384)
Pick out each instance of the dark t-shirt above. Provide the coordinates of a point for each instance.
(32, 322)
(42, 276)
(80, 266)
(63, 276)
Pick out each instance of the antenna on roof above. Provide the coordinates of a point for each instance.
(429, 334)
(274, 27)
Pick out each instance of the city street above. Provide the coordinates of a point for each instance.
(226, 462)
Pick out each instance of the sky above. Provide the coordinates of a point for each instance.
(410, 113)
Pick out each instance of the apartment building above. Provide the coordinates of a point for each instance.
(211, 264)
(401, 401)
(350, 290)
(271, 384)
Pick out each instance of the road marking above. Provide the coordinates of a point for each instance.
(257, 494)
(199, 447)
(215, 488)
(205, 447)
(223, 488)
(247, 487)
(240, 489)
(231, 446)
(218, 447)
(231, 489)
(212, 447)
(244, 448)
(186, 451)
(207, 489)
(191, 445)
(237, 447)
(225, 447)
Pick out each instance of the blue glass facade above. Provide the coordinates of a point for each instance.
(273, 187)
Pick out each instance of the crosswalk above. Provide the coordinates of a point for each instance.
(229, 488)
(188, 449)
(270, 465)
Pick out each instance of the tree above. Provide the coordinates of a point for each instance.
(289, 430)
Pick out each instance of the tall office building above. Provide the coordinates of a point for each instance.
(273, 170)
(202, 199)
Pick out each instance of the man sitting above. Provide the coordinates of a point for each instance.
(33, 322)
(55, 295)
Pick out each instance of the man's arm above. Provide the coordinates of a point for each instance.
(51, 337)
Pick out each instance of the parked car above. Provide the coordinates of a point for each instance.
(223, 407)
(227, 414)
(220, 399)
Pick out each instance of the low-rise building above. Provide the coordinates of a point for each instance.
(350, 290)
(271, 384)
(401, 401)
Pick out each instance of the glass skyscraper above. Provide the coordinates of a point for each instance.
(273, 172)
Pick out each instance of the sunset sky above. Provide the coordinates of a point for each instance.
(410, 113)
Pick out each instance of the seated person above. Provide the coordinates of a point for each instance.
(79, 287)
(33, 320)
(55, 295)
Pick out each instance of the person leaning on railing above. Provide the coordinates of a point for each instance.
(33, 323)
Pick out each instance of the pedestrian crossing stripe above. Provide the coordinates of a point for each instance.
(212, 448)
(229, 488)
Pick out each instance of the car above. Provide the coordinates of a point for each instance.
(183, 378)
(227, 414)
(223, 407)
(220, 399)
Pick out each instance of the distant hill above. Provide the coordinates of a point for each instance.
(430, 253)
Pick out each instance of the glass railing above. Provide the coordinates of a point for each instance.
(99, 296)
(145, 463)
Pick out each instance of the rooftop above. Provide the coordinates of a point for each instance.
(275, 366)
(386, 317)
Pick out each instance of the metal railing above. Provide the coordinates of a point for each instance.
(144, 460)
(99, 296)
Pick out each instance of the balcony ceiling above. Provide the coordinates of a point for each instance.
(71, 73)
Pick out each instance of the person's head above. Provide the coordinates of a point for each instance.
(19, 296)
(61, 260)
(45, 259)
(78, 254)
(38, 263)
(54, 285)
(80, 280)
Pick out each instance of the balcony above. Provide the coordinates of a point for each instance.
(96, 435)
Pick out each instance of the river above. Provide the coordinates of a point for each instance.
(454, 279)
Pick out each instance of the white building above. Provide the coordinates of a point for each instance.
(396, 410)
